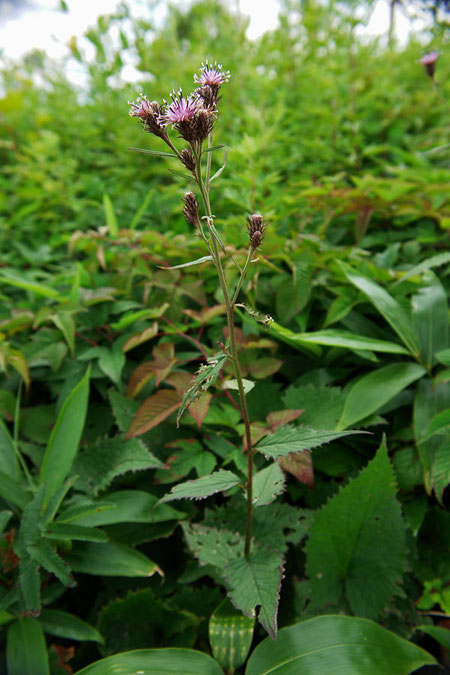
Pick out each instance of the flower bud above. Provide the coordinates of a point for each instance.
(255, 228)
(429, 61)
(188, 159)
(190, 210)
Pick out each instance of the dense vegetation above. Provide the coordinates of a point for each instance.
(342, 145)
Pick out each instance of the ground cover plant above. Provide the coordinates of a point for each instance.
(224, 435)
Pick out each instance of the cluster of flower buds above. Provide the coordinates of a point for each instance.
(256, 226)
(193, 116)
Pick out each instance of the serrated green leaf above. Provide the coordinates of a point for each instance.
(440, 471)
(267, 484)
(46, 556)
(219, 481)
(392, 311)
(372, 391)
(70, 532)
(26, 651)
(68, 626)
(110, 560)
(65, 437)
(255, 581)
(97, 465)
(123, 409)
(287, 439)
(30, 583)
(342, 645)
(199, 261)
(230, 635)
(356, 543)
(155, 662)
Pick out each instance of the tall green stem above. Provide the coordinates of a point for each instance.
(229, 308)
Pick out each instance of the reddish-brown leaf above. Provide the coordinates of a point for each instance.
(300, 465)
(278, 417)
(206, 314)
(199, 408)
(139, 338)
(262, 368)
(154, 410)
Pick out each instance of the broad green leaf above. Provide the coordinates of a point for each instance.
(110, 560)
(26, 651)
(12, 492)
(267, 484)
(356, 543)
(155, 662)
(230, 635)
(322, 405)
(8, 456)
(341, 645)
(110, 215)
(430, 317)
(127, 506)
(219, 481)
(199, 261)
(68, 532)
(287, 439)
(292, 339)
(430, 401)
(373, 390)
(255, 581)
(347, 340)
(65, 437)
(131, 317)
(65, 625)
(392, 311)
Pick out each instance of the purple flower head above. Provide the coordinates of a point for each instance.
(149, 113)
(212, 75)
(429, 61)
(180, 110)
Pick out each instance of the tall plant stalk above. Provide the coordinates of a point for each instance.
(193, 117)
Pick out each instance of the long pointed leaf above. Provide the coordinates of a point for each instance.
(26, 652)
(392, 311)
(65, 437)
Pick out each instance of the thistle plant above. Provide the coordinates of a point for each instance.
(193, 117)
(249, 556)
